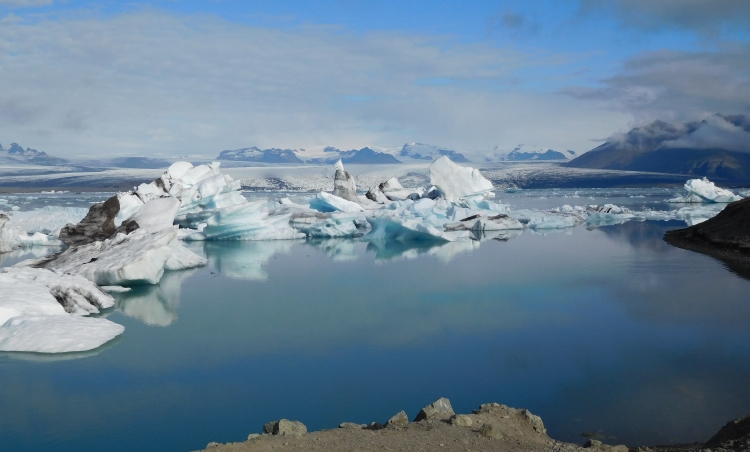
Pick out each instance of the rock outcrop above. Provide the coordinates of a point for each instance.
(98, 224)
(440, 409)
(725, 236)
(734, 436)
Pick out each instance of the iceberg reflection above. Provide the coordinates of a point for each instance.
(154, 304)
(245, 259)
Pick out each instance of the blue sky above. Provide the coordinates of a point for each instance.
(195, 77)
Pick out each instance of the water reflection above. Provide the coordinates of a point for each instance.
(154, 304)
(340, 249)
(245, 260)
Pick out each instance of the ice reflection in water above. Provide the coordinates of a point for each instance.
(610, 329)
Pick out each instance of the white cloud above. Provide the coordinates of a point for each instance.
(25, 3)
(714, 133)
(678, 86)
(153, 83)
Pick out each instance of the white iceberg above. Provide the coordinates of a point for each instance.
(123, 260)
(40, 312)
(538, 219)
(326, 202)
(703, 190)
(457, 182)
(56, 334)
(250, 221)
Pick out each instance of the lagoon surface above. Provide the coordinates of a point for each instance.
(609, 330)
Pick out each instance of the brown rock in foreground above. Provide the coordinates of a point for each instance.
(491, 427)
(725, 236)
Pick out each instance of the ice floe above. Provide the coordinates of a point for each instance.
(40, 312)
(703, 190)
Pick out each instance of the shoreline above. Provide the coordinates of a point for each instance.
(492, 426)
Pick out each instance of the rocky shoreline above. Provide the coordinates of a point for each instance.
(491, 427)
(725, 237)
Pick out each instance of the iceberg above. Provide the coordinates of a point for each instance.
(343, 184)
(537, 219)
(326, 202)
(250, 221)
(40, 311)
(456, 182)
(703, 190)
(123, 260)
(56, 334)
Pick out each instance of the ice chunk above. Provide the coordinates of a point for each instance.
(538, 219)
(703, 190)
(388, 228)
(129, 205)
(56, 334)
(36, 307)
(326, 202)
(456, 182)
(157, 214)
(607, 215)
(343, 183)
(136, 258)
(249, 221)
(479, 223)
(339, 224)
(182, 258)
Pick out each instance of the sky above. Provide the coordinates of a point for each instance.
(192, 78)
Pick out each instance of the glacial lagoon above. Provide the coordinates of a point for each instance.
(604, 330)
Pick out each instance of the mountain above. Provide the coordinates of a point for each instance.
(428, 152)
(28, 155)
(717, 147)
(254, 154)
(517, 155)
(361, 156)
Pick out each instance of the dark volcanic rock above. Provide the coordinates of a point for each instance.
(725, 236)
(735, 435)
(98, 224)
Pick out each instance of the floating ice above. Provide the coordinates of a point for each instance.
(703, 190)
(123, 260)
(56, 334)
(537, 219)
(39, 312)
(607, 215)
(456, 182)
(249, 221)
(326, 202)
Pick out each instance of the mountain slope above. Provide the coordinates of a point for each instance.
(718, 147)
(28, 155)
(429, 152)
(361, 156)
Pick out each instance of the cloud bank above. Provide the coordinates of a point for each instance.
(157, 83)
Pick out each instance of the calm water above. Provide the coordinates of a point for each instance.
(610, 331)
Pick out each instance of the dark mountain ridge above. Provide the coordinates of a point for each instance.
(717, 147)
(28, 155)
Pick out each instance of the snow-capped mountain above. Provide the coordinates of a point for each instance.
(254, 154)
(429, 152)
(16, 153)
(519, 154)
(365, 155)
(716, 147)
